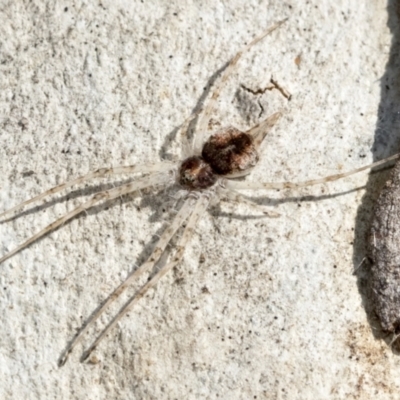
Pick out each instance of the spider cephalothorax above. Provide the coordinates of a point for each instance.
(196, 173)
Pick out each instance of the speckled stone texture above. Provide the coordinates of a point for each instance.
(259, 308)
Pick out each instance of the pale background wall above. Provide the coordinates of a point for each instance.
(90, 84)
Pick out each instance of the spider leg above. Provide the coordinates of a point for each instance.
(148, 265)
(203, 123)
(100, 173)
(232, 195)
(259, 131)
(295, 185)
(200, 206)
(186, 148)
(142, 183)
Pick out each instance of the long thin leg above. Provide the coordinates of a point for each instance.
(259, 131)
(230, 184)
(199, 208)
(232, 195)
(142, 183)
(186, 148)
(203, 123)
(162, 243)
(100, 173)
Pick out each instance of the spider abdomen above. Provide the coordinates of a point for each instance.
(229, 152)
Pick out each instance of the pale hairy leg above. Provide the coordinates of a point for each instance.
(186, 148)
(259, 131)
(208, 109)
(100, 173)
(147, 266)
(199, 208)
(141, 183)
(231, 184)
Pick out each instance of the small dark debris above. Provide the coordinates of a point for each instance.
(28, 173)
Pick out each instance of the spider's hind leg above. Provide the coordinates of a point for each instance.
(200, 206)
(148, 265)
(232, 195)
(235, 185)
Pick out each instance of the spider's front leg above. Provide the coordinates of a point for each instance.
(208, 109)
(100, 173)
(141, 183)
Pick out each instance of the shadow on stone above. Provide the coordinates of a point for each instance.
(386, 143)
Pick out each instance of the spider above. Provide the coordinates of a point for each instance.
(206, 175)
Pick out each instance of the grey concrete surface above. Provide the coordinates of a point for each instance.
(260, 308)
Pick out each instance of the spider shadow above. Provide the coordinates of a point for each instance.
(249, 106)
(275, 202)
(172, 136)
(386, 142)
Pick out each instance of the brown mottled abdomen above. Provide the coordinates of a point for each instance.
(230, 151)
(384, 251)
